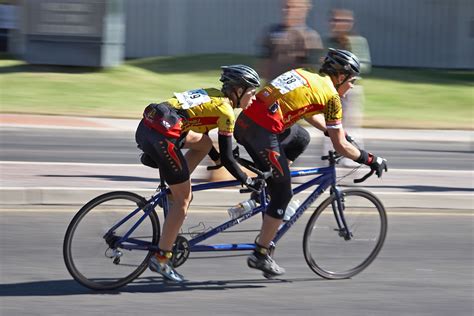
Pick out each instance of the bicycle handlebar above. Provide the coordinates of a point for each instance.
(250, 165)
(213, 167)
(368, 175)
(334, 157)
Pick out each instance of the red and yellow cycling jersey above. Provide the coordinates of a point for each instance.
(294, 95)
(205, 109)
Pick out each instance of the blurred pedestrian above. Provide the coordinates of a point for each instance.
(290, 44)
(344, 37)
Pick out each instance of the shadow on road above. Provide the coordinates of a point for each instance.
(141, 285)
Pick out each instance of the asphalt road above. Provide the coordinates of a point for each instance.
(425, 268)
(53, 145)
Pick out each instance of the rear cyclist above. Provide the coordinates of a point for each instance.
(294, 95)
(183, 122)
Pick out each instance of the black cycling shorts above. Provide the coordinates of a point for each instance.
(294, 141)
(165, 152)
(267, 152)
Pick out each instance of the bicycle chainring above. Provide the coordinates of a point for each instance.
(181, 250)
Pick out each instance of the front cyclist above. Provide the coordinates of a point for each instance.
(294, 95)
(183, 122)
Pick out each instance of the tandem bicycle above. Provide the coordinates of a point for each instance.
(110, 240)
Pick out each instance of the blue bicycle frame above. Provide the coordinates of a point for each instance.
(326, 178)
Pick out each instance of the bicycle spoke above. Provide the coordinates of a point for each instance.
(94, 260)
(329, 253)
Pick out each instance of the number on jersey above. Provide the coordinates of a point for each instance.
(192, 98)
(288, 81)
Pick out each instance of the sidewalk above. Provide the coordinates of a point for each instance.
(74, 183)
(25, 183)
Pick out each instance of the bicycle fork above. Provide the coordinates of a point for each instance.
(338, 207)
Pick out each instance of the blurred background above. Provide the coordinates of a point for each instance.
(75, 76)
(111, 58)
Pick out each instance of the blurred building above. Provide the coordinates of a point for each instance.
(8, 24)
(72, 32)
(401, 33)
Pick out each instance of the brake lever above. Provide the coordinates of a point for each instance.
(368, 175)
(352, 141)
(236, 152)
(336, 156)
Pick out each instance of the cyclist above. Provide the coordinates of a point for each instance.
(183, 122)
(294, 95)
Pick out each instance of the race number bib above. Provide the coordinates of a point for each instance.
(288, 81)
(192, 98)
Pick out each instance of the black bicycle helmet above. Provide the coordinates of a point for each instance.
(240, 75)
(339, 61)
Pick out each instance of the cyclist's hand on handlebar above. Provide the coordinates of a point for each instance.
(377, 164)
(254, 184)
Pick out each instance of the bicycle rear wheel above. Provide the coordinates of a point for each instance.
(87, 255)
(328, 253)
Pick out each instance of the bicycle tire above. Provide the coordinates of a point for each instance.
(327, 253)
(78, 237)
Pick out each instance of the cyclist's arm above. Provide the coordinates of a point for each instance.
(317, 121)
(341, 145)
(227, 158)
(214, 155)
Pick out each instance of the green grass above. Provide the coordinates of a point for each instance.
(419, 98)
(394, 97)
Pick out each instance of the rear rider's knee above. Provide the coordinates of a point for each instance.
(206, 143)
(198, 142)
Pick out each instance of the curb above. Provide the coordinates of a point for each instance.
(74, 196)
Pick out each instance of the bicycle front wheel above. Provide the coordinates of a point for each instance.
(89, 257)
(327, 251)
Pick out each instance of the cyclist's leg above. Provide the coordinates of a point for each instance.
(279, 188)
(267, 153)
(199, 146)
(174, 220)
(294, 141)
(280, 195)
(173, 168)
